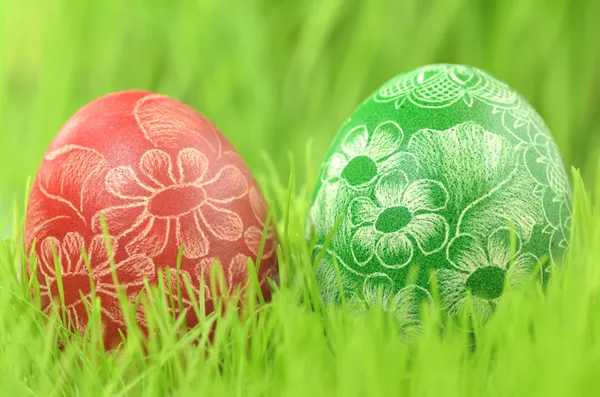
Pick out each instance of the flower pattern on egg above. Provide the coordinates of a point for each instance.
(485, 161)
(364, 155)
(200, 275)
(163, 178)
(379, 291)
(402, 209)
(483, 271)
(134, 270)
(236, 275)
(181, 204)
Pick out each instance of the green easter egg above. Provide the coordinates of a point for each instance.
(448, 171)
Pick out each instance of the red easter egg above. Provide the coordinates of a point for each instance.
(163, 177)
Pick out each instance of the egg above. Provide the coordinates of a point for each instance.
(163, 178)
(444, 173)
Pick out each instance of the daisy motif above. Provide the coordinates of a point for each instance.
(403, 213)
(483, 271)
(187, 204)
(365, 156)
(131, 273)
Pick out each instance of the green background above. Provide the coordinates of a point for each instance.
(274, 74)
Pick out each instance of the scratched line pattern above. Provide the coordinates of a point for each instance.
(163, 177)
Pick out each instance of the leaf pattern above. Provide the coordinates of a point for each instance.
(68, 172)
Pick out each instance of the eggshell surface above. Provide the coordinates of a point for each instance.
(437, 171)
(163, 177)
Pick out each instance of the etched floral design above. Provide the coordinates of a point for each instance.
(253, 235)
(544, 163)
(483, 271)
(201, 274)
(544, 152)
(131, 273)
(170, 124)
(68, 173)
(401, 210)
(365, 155)
(523, 115)
(559, 234)
(442, 85)
(235, 275)
(379, 291)
(187, 204)
(329, 277)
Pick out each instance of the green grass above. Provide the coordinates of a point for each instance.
(274, 75)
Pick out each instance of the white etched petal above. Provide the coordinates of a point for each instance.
(499, 247)
(394, 250)
(98, 251)
(390, 189)
(158, 167)
(408, 302)
(378, 289)
(258, 205)
(152, 239)
(237, 272)
(223, 224)
(253, 237)
(327, 278)
(385, 140)
(202, 274)
(49, 247)
(355, 141)
(134, 270)
(425, 194)
(191, 236)
(452, 289)
(192, 165)
(72, 244)
(362, 210)
(229, 184)
(430, 231)
(363, 243)
(334, 167)
(120, 219)
(398, 162)
(522, 268)
(465, 253)
(482, 308)
(123, 183)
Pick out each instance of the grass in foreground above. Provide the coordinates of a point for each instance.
(539, 342)
(271, 74)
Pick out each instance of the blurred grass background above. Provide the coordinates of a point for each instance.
(273, 74)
